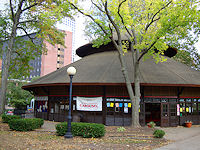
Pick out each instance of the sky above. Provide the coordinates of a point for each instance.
(80, 38)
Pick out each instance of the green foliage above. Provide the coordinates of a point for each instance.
(159, 133)
(7, 118)
(37, 21)
(27, 124)
(19, 103)
(18, 97)
(86, 130)
(151, 124)
(149, 25)
(190, 58)
(121, 129)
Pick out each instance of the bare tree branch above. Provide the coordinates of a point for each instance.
(33, 20)
(113, 23)
(27, 34)
(11, 9)
(147, 50)
(89, 17)
(152, 19)
(122, 17)
(97, 6)
(17, 53)
(30, 6)
(134, 36)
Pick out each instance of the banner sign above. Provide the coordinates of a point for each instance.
(89, 103)
(178, 110)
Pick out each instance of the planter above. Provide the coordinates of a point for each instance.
(188, 124)
(149, 125)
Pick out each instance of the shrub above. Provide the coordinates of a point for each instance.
(20, 104)
(7, 118)
(151, 124)
(121, 129)
(159, 133)
(27, 124)
(86, 130)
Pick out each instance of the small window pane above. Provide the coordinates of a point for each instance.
(164, 100)
(188, 100)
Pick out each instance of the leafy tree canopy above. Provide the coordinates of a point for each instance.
(37, 21)
(189, 58)
(16, 95)
(150, 24)
(147, 25)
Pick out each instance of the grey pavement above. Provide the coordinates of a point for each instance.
(48, 126)
(182, 138)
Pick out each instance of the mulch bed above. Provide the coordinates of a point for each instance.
(131, 138)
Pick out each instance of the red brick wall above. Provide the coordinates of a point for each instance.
(49, 60)
(68, 49)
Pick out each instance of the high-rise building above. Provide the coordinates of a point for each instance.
(69, 24)
(55, 58)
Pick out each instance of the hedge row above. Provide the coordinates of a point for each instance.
(86, 130)
(27, 124)
(7, 118)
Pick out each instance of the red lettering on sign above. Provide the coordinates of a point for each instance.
(89, 105)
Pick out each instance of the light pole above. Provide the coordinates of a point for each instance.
(71, 71)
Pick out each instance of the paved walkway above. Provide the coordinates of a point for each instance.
(184, 138)
(48, 126)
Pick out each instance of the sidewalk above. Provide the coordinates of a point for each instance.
(184, 138)
(48, 126)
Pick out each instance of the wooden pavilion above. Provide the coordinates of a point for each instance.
(170, 91)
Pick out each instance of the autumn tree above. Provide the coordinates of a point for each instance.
(147, 25)
(35, 19)
(190, 58)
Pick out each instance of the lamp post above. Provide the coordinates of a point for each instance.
(71, 71)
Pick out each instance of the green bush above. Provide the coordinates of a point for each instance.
(7, 118)
(151, 124)
(27, 124)
(159, 133)
(20, 104)
(86, 130)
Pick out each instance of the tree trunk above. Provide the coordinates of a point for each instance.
(6, 61)
(4, 78)
(135, 107)
(136, 74)
(126, 77)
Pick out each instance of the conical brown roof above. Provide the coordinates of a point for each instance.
(104, 69)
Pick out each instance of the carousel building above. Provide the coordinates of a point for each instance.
(170, 91)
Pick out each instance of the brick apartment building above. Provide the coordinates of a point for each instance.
(56, 57)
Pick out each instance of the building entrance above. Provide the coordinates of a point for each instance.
(153, 113)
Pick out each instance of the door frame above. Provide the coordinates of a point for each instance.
(164, 115)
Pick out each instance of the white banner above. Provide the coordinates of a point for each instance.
(89, 103)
